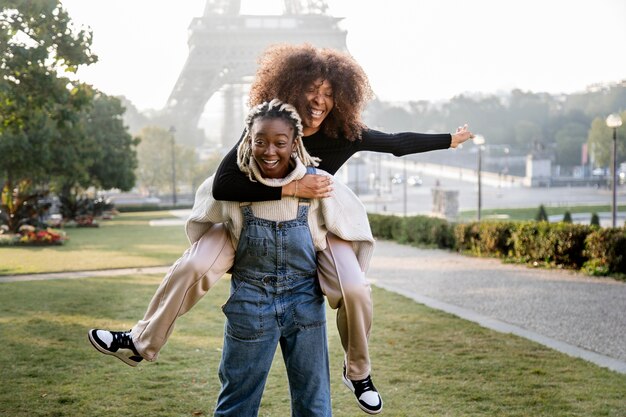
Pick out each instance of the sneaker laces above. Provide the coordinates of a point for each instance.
(123, 340)
(364, 385)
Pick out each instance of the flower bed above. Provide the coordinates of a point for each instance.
(30, 236)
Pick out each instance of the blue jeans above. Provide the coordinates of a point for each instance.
(274, 300)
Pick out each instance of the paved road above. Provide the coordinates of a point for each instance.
(568, 311)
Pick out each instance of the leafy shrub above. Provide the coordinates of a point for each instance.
(595, 219)
(382, 226)
(484, 238)
(558, 243)
(567, 217)
(429, 231)
(597, 251)
(606, 250)
(542, 215)
(22, 205)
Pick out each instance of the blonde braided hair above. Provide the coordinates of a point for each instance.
(274, 109)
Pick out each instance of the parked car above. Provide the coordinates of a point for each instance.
(397, 179)
(414, 180)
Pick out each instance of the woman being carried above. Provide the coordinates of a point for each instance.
(330, 90)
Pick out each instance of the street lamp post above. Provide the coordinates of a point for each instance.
(614, 121)
(404, 183)
(172, 132)
(479, 141)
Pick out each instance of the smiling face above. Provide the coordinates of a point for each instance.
(319, 102)
(272, 143)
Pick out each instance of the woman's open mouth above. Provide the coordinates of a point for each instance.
(270, 163)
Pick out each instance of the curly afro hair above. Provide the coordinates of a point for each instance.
(285, 71)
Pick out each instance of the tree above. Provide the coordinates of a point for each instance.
(114, 157)
(154, 153)
(104, 156)
(595, 219)
(38, 107)
(600, 141)
(527, 134)
(542, 215)
(569, 141)
(204, 169)
(133, 118)
(567, 217)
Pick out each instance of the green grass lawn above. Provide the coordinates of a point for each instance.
(529, 213)
(426, 363)
(126, 241)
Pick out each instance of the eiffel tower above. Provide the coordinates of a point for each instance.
(224, 46)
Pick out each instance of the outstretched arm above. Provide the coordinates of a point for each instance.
(407, 143)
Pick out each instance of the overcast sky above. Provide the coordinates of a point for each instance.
(411, 49)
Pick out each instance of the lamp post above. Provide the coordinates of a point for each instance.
(172, 132)
(404, 183)
(479, 141)
(614, 121)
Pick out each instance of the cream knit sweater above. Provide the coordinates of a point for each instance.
(343, 214)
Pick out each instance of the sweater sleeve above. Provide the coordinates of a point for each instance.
(206, 212)
(345, 216)
(233, 185)
(405, 143)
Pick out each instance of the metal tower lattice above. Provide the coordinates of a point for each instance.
(223, 49)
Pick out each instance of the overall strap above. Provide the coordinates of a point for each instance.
(303, 211)
(246, 210)
(306, 201)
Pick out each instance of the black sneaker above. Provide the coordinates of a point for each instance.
(365, 392)
(118, 344)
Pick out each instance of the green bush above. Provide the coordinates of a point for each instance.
(596, 251)
(568, 244)
(464, 236)
(606, 250)
(567, 217)
(484, 238)
(595, 219)
(428, 231)
(557, 243)
(382, 225)
(542, 215)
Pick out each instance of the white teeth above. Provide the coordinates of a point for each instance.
(317, 112)
(270, 162)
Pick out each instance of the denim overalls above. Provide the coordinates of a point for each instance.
(275, 298)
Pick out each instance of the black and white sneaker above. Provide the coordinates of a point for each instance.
(365, 392)
(118, 344)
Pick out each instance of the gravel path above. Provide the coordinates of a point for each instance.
(564, 307)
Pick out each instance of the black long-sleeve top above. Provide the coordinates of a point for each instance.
(231, 184)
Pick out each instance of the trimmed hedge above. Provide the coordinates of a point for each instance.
(583, 247)
(414, 230)
(484, 238)
(550, 243)
(606, 251)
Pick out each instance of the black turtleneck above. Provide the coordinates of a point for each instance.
(231, 184)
